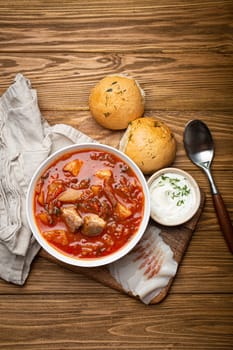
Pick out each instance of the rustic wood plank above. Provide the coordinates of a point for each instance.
(76, 322)
(181, 53)
(122, 26)
(171, 81)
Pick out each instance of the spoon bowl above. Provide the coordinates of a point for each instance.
(199, 146)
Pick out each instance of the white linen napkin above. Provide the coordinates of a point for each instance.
(26, 139)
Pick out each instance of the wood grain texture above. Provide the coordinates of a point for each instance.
(171, 81)
(181, 54)
(122, 26)
(70, 323)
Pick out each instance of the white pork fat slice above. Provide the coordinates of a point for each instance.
(148, 268)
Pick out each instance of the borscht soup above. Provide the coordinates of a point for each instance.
(88, 203)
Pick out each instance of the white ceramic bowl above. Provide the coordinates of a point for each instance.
(85, 262)
(174, 196)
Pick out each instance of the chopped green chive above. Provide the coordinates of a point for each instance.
(179, 191)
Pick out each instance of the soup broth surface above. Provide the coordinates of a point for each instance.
(88, 204)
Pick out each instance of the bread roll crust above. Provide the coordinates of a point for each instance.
(115, 101)
(149, 143)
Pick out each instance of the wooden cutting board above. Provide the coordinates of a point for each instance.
(177, 238)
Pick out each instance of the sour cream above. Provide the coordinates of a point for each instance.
(174, 196)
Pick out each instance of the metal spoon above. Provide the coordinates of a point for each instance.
(199, 147)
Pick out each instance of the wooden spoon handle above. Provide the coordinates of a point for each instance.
(224, 220)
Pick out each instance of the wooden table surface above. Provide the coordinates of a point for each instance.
(181, 53)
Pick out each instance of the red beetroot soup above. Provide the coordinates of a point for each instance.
(88, 204)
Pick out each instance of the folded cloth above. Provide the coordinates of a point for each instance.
(26, 139)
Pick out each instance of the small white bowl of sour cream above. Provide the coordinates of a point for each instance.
(174, 196)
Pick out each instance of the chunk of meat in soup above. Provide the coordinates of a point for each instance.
(93, 225)
(71, 218)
